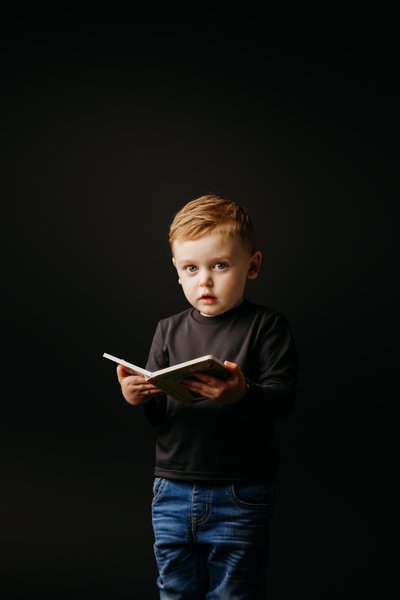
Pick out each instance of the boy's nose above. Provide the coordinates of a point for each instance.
(205, 279)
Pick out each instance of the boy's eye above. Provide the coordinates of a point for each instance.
(220, 266)
(191, 268)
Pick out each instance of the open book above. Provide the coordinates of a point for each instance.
(169, 379)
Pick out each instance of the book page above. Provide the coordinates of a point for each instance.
(204, 364)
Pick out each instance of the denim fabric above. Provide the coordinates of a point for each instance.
(211, 541)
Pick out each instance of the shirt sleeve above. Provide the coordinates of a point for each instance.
(274, 390)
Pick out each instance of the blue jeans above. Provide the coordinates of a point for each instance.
(211, 541)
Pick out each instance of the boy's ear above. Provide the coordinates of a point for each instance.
(174, 263)
(255, 264)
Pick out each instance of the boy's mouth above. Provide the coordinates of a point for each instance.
(207, 298)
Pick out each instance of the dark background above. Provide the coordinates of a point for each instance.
(111, 122)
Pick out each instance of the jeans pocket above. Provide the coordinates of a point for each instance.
(253, 494)
(158, 486)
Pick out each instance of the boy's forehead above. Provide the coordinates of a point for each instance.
(213, 243)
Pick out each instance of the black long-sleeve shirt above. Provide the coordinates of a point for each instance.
(209, 441)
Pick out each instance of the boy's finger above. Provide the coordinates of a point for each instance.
(230, 365)
(122, 372)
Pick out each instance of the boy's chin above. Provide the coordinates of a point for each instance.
(214, 311)
(210, 311)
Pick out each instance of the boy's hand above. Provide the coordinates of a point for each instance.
(135, 389)
(227, 391)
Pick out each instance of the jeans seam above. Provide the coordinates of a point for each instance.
(159, 490)
(203, 519)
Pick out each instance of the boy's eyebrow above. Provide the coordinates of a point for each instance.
(194, 260)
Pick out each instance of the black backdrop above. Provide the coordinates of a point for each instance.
(110, 123)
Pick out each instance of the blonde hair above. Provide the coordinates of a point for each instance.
(212, 214)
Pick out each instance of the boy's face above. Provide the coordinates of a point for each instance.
(213, 271)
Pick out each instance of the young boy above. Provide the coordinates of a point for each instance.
(215, 466)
